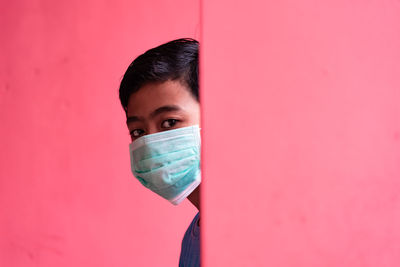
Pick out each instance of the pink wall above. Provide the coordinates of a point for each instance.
(67, 197)
(301, 128)
(301, 124)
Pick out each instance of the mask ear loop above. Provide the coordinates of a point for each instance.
(188, 190)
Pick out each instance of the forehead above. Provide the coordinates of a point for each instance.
(154, 95)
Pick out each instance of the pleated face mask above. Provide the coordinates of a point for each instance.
(168, 162)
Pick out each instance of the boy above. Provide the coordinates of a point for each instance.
(160, 96)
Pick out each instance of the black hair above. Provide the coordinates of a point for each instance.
(175, 60)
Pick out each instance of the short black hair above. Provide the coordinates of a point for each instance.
(175, 60)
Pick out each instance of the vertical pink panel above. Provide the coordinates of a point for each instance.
(301, 128)
(67, 197)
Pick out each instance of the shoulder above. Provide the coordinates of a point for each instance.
(190, 251)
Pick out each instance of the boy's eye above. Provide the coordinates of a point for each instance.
(169, 123)
(136, 133)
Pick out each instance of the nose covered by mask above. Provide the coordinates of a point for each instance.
(168, 163)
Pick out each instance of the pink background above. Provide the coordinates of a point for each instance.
(301, 119)
(67, 197)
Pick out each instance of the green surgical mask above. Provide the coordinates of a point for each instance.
(168, 163)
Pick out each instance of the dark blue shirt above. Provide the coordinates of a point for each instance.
(190, 252)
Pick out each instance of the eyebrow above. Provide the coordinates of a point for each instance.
(163, 109)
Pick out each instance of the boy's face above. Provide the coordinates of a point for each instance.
(160, 107)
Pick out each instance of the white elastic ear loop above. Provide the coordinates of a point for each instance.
(178, 199)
